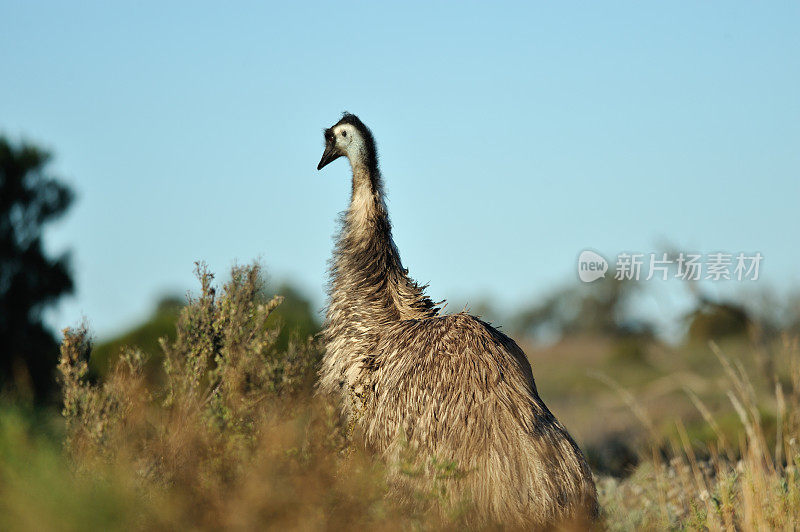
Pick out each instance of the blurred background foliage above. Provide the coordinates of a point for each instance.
(30, 280)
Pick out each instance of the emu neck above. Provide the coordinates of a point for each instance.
(367, 206)
(369, 283)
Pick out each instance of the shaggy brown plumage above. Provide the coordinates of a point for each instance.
(449, 386)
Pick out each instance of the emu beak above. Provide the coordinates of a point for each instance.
(328, 156)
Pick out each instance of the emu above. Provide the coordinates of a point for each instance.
(449, 386)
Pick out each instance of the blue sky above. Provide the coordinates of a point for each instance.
(512, 136)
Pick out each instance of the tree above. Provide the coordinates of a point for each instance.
(596, 309)
(30, 281)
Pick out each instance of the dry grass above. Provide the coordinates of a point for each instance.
(750, 483)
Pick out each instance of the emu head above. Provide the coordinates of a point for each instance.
(350, 138)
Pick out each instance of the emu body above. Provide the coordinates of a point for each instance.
(449, 386)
